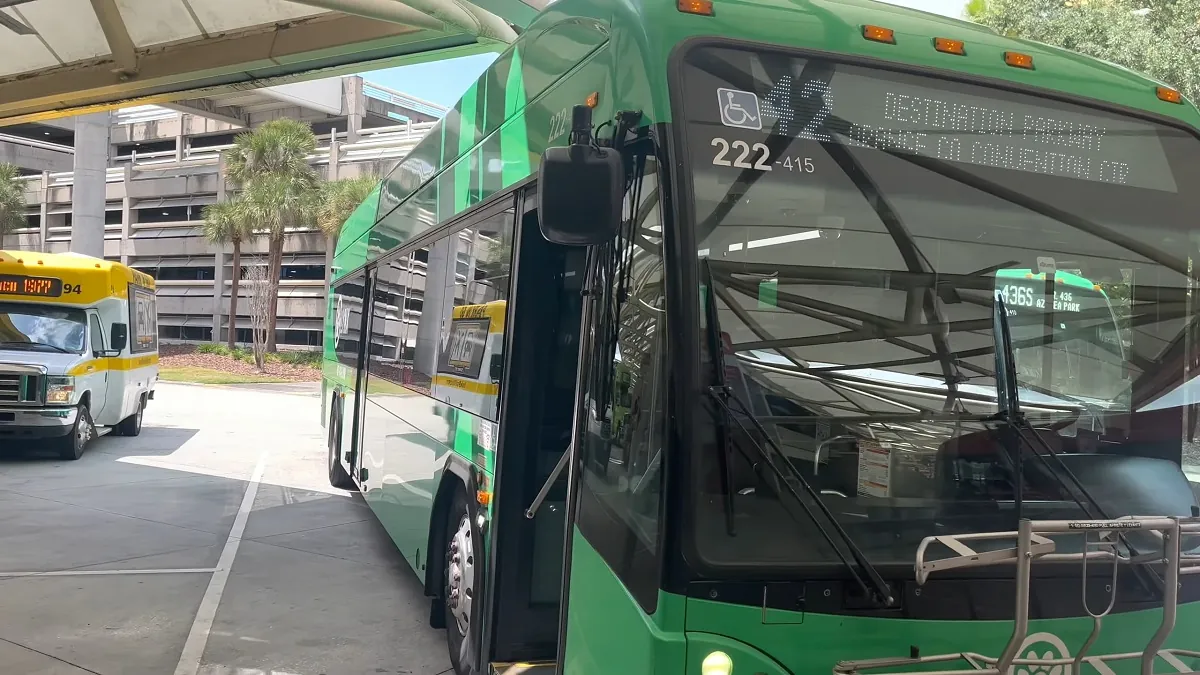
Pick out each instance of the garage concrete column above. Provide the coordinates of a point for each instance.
(126, 214)
(218, 297)
(331, 242)
(87, 195)
(437, 306)
(44, 213)
(356, 107)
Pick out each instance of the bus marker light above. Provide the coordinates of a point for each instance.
(1169, 95)
(716, 663)
(483, 497)
(1018, 60)
(879, 34)
(701, 7)
(593, 99)
(949, 46)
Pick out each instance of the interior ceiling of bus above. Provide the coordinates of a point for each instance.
(64, 57)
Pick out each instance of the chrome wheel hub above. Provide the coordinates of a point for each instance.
(460, 571)
(84, 429)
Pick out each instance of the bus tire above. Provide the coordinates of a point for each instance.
(460, 585)
(338, 477)
(72, 445)
(132, 425)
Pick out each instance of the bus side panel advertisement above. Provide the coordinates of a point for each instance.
(143, 320)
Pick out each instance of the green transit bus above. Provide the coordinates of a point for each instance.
(823, 337)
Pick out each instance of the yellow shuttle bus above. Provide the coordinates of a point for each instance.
(468, 372)
(78, 349)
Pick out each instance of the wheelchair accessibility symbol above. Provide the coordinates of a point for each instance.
(739, 109)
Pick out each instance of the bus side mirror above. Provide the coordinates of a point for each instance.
(581, 188)
(118, 337)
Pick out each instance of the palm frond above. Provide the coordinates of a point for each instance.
(278, 147)
(226, 222)
(276, 202)
(339, 199)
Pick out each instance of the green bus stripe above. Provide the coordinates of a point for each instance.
(514, 138)
(466, 139)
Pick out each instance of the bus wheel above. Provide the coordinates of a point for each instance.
(74, 443)
(460, 589)
(132, 425)
(338, 477)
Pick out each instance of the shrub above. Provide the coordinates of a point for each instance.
(297, 358)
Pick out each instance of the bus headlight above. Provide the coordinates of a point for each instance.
(60, 390)
(717, 663)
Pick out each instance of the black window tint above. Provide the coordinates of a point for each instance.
(626, 398)
(345, 315)
(431, 280)
(475, 351)
(388, 352)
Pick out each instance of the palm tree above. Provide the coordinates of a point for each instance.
(12, 199)
(339, 199)
(279, 189)
(228, 223)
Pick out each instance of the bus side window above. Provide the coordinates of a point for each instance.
(481, 255)
(97, 333)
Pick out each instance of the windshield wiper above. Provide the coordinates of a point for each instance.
(873, 586)
(1020, 429)
(28, 345)
(725, 459)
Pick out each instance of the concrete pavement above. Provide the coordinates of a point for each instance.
(209, 545)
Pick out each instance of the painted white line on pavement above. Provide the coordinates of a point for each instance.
(197, 640)
(100, 573)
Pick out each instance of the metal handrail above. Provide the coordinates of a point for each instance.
(1033, 544)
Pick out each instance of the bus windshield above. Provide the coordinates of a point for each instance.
(41, 327)
(854, 225)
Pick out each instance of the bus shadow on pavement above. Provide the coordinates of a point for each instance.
(153, 441)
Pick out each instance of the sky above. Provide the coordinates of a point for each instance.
(443, 82)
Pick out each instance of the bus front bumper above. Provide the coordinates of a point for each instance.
(18, 423)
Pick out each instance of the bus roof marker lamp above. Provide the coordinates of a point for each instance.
(698, 7)
(950, 46)
(1018, 60)
(1169, 95)
(879, 34)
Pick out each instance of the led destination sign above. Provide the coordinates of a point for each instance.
(45, 287)
(951, 121)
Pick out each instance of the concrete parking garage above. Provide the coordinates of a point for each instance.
(211, 544)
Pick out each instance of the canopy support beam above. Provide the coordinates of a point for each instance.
(124, 53)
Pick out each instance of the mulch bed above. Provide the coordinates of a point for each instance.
(186, 356)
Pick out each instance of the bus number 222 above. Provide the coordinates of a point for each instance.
(760, 152)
